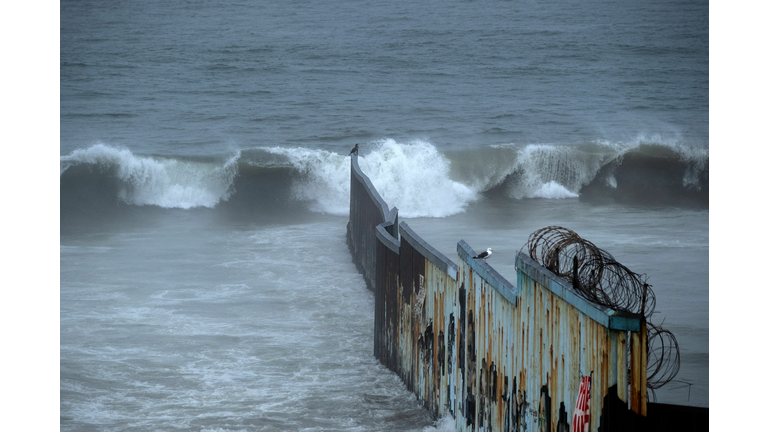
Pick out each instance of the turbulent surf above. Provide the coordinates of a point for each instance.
(416, 177)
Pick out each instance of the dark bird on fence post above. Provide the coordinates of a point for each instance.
(354, 150)
(484, 255)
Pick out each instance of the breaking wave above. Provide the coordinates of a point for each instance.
(416, 177)
(151, 180)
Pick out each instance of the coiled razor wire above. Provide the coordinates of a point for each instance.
(663, 356)
(599, 278)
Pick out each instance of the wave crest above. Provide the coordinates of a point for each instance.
(167, 183)
(323, 181)
(414, 177)
(545, 171)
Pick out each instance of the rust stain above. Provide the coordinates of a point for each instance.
(468, 351)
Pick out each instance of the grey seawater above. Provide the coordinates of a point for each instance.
(177, 319)
(183, 323)
(198, 78)
(670, 246)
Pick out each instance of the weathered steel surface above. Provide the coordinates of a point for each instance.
(469, 343)
(387, 320)
(431, 254)
(563, 289)
(486, 272)
(367, 210)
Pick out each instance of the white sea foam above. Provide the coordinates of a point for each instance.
(547, 171)
(552, 190)
(560, 171)
(696, 157)
(325, 182)
(444, 424)
(412, 177)
(163, 182)
(698, 160)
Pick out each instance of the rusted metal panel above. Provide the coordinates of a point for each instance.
(638, 372)
(562, 288)
(622, 371)
(493, 355)
(428, 252)
(519, 366)
(486, 272)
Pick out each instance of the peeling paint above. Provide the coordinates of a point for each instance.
(496, 356)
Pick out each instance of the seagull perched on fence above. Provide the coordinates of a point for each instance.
(484, 255)
(354, 149)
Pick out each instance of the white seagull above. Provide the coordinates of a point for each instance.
(484, 255)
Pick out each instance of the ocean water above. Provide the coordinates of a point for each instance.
(205, 283)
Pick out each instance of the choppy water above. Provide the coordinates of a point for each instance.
(205, 283)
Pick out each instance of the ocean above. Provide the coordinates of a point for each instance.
(205, 283)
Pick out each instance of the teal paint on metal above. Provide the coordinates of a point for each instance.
(469, 343)
(487, 272)
(625, 321)
(562, 288)
(430, 253)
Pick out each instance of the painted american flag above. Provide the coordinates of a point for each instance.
(581, 414)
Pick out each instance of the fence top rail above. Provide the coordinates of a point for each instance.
(386, 238)
(487, 273)
(607, 317)
(433, 255)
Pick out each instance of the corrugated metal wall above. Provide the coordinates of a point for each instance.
(494, 356)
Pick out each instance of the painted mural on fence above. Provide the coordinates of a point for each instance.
(493, 355)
